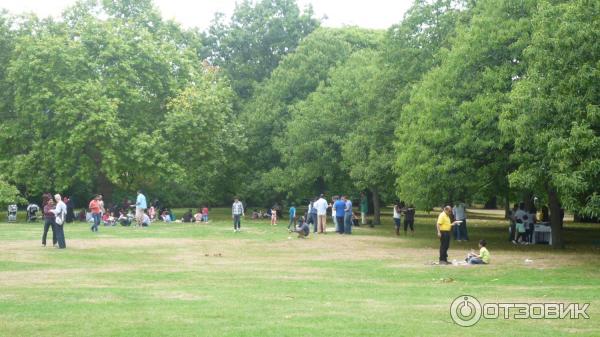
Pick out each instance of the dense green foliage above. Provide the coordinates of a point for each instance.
(461, 100)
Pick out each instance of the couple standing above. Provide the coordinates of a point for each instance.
(54, 217)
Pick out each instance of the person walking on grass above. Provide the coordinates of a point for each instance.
(292, 213)
(443, 226)
(237, 212)
(49, 222)
(321, 206)
(409, 219)
(140, 208)
(96, 210)
(60, 215)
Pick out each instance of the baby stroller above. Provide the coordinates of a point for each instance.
(32, 210)
(12, 213)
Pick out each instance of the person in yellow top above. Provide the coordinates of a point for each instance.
(482, 258)
(444, 225)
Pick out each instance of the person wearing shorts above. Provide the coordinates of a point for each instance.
(140, 208)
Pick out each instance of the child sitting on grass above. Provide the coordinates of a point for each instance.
(482, 258)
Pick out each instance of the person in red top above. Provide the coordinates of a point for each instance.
(96, 209)
(205, 214)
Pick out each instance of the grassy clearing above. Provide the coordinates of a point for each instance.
(205, 280)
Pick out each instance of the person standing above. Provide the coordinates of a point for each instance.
(60, 215)
(237, 212)
(273, 216)
(409, 219)
(347, 215)
(364, 208)
(398, 217)
(339, 207)
(312, 213)
(95, 209)
(460, 214)
(140, 208)
(49, 221)
(333, 212)
(292, 213)
(444, 225)
(321, 206)
(205, 214)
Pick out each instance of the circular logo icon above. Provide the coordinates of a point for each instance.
(465, 310)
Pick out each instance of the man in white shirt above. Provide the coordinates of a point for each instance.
(321, 206)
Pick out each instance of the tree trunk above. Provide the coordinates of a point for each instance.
(507, 203)
(555, 218)
(105, 187)
(376, 207)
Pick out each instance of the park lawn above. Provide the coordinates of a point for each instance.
(205, 280)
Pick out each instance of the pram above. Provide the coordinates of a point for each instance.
(32, 210)
(12, 213)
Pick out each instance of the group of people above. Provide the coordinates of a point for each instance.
(55, 214)
(523, 220)
(447, 220)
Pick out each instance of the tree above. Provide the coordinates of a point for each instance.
(553, 115)
(258, 36)
(449, 144)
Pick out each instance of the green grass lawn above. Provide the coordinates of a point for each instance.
(205, 280)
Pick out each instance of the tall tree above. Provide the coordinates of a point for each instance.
(257, 37)
(554, 116)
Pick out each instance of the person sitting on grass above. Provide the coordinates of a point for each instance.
(198, 216)
(482, 258)
(188, 217)
(303, 229)
(145, 220)
(124, 220)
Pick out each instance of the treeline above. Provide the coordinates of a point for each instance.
(464, 100)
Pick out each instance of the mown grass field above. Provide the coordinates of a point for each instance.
(205, 280)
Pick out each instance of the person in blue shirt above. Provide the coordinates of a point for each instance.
(313, 214)
(339, 206)
(140, 207)
(347, 216)
(292, 216)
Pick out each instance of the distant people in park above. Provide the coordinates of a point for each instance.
(205, 214)
(140, 207)
(409, 219)
(531, 221)
(101, 204)
(483, 257)
(273, 216)
(237, 212)
(443, 226)
(124, 219)
(81, 215)
(70, 209)
(313, 214)
(152, 213)
(146, 220)
(166, 216)
(292, 215)
(321, 206)
(364, 208)
(60, 216)
(198, 215)
(49, 221)
(460, 214)
(96, 210)
(333, 212)
(188, 216)
(347, 215)
(303, 229)
(339, 207)
(397, 216)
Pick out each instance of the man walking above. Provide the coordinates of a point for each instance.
(237, 211)
(96, 210)
(292, 213)
(140, 208)
(321, 206)
(443, 226)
